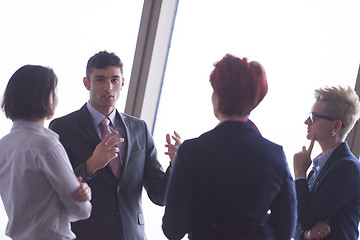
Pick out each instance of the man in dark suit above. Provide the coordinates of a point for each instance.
(118, 166)
(329, 197)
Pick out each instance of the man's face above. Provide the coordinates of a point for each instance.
(104, 86)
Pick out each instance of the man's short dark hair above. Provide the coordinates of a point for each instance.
(102, 60)
(27, 94)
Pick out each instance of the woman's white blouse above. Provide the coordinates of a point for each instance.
(37, 183)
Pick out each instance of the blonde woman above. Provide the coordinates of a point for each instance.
(329, 197)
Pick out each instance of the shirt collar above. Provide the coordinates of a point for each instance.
(98, 117)
(234, 119)
(323, 157)
(34, 126)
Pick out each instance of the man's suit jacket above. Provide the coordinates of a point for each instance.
(116, 203)
(335, 196)
(224, 185)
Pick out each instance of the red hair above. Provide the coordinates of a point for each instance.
(239, 84)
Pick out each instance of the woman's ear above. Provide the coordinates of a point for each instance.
(337, 126)
(215, 103)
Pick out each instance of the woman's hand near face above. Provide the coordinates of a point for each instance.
(302, 160)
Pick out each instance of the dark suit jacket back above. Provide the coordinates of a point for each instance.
(226, 179)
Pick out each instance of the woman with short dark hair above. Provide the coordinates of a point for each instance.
(30, 94)
(40, 192)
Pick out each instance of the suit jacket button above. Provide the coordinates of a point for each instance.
(118, 189)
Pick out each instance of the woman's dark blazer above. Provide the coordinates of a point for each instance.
(335, 197)
(230, 183)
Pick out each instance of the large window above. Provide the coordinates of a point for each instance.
(64, 34)
(301, 44)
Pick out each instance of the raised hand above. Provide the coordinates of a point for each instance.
(302, 160)
(104, 152)
(172, 148)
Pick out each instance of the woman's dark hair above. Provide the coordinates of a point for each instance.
(27, 93)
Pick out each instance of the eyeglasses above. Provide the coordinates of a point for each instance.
(313, 116)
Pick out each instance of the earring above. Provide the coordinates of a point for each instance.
(333, 133)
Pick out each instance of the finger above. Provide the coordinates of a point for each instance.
(114, 142)
(311, 145)
(107, 138)
(170, 154)
(83, 196)
(79, 179)
(177, 134)
(112, 156)
(328, 228)
(113, 150)
(318, 237)
(83, 186)
(177, 140)
(77, 194)
(316, 233)
(168, 139)
(325, 229)
(322, 227)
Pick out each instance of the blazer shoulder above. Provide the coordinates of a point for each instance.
(343, 156)
(250, 134)
(129, 117)
(131, 121)
(70, 119)
(344, 164)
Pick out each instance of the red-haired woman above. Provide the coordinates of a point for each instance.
(231, 183)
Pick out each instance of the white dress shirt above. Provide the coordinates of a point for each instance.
(37, 183)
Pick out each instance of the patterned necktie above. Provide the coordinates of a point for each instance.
(116, 162)
(315, 169)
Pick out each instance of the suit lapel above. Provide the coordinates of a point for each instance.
(87, 125)
(127, 125)
(335, 156)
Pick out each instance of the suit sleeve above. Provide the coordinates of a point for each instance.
(176, 220)
(155, 180)
(332, 193)
(283, 208)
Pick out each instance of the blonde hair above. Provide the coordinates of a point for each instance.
(342, 103)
